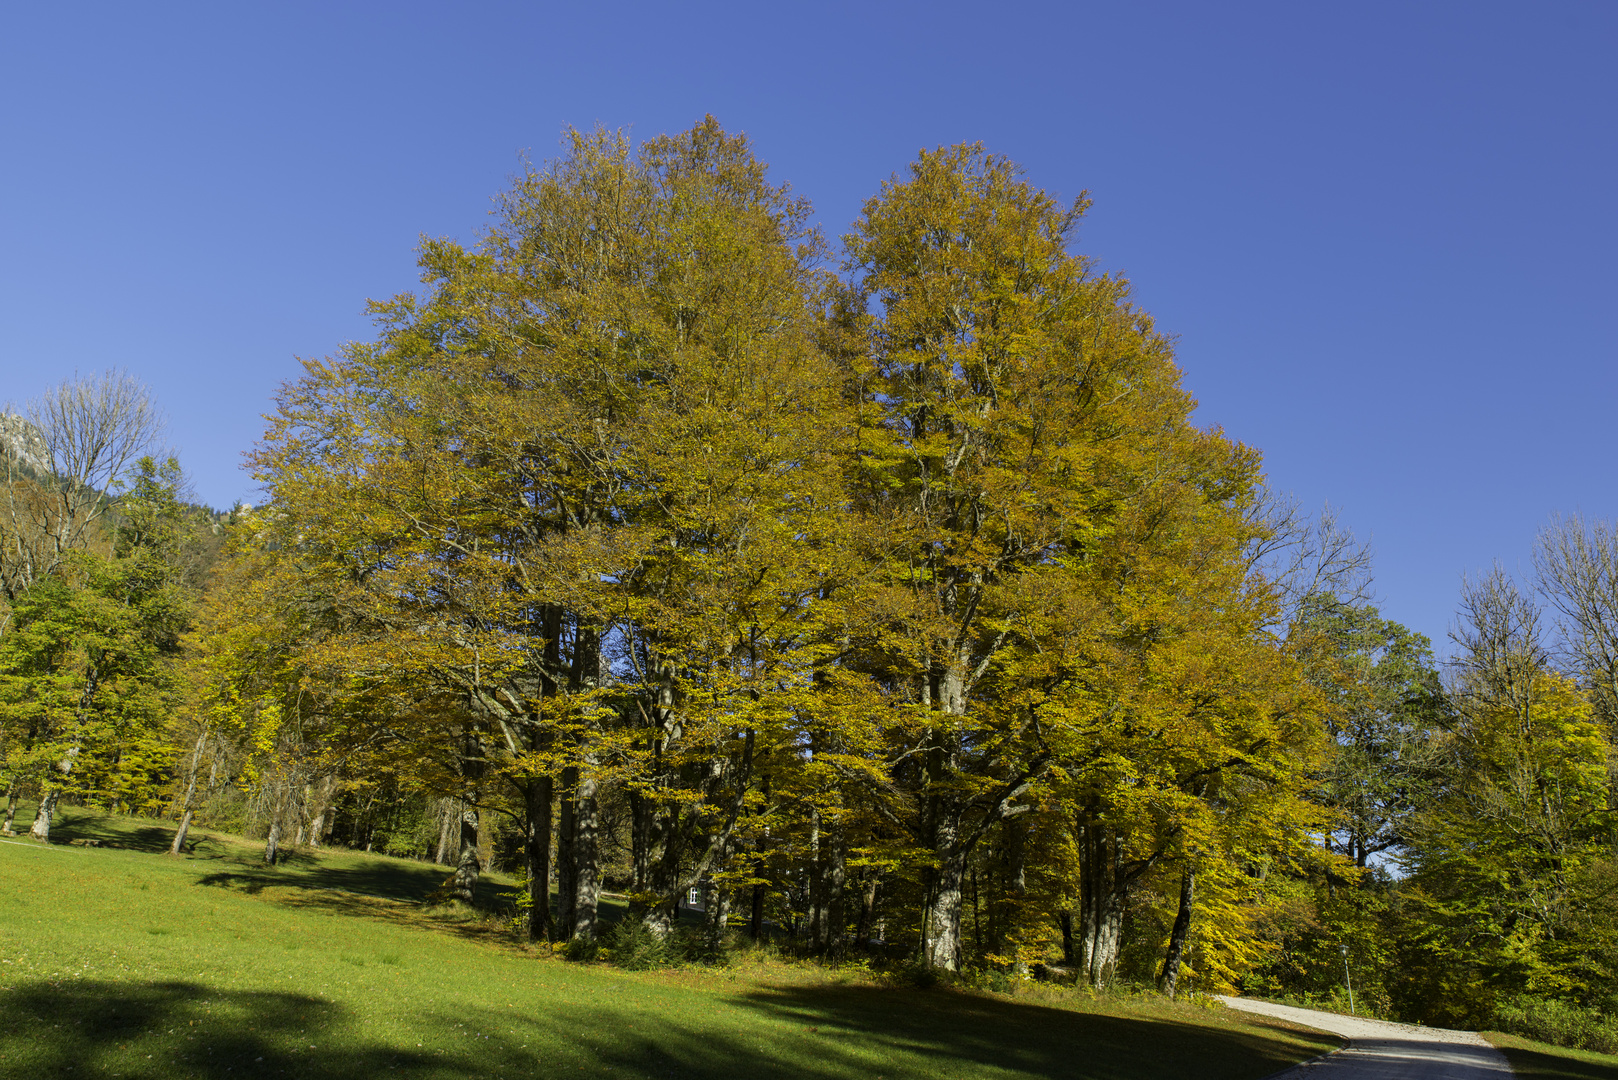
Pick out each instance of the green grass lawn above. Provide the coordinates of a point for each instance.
(1532, 1060)
(118, 961)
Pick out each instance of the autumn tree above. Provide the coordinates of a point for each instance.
(825, 582)
(87, 668)
(1047, 504)
(1519, 820)
(1201, 762)
(580, 489)
(269, 704)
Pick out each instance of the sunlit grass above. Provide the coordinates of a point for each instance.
(120, 962)
(1532, 1060)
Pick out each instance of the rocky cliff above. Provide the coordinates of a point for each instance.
(21, 443)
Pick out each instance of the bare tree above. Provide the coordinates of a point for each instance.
(1500, 645)
(57, 463)
(1576, 562)
(1306, 558)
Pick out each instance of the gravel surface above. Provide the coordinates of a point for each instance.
(1378, 1050)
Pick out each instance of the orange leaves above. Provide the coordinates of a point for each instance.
(635, 488)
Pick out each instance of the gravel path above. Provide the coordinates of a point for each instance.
(1378, 1050)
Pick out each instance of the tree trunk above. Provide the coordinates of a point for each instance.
(364, 823)
(941, 915)
(640, 842)
(941, 927)
(449, 825)
(272, 843)
(817, 886)
(941, 919)
(467, 867)
(1103, 893)
(1105, 935)
(664, 914)
(1011, 860)
(661, 823)
(1065, 921)
(578, 857)
(755, 920)
(717, 917)
(42, 816)
(11, 809)
(178, 847)
(566, 859)
(323, 807)
(303, 826)
(181, 832)
(537, 849)
(47, 801)
(867, 924)
(833, 881)
(540, 790)
(586, 860)
(1170, 978)
(643, 810)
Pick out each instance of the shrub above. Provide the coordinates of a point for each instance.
(411, 836)
(697, 945)
(224, 810)
(634, 946)
(917, 974)
(1560, 1022)
(581, 950)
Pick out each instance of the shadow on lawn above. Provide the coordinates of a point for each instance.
(1530, 1064)
(842, 1033)
(336, 870)
(177, 1029)
(952, 1028)
(350, 887)
(182, 1029)
(108, 831)
(78, 823)
(383, 879)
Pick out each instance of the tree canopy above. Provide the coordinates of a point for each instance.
(884, 592)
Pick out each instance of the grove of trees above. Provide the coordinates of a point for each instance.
(882, 592)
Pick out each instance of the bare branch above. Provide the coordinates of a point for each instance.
(1499, 641)
(1576, 563)
(58, 464)
(1307, 558)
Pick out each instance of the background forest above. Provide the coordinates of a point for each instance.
(877, 596)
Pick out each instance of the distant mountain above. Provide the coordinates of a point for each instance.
(21, 442)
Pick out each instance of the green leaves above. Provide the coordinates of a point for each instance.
(86, 673)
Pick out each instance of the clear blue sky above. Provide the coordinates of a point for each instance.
(1383, 233)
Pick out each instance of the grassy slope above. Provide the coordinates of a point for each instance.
(1541, 1061)
(122, 962)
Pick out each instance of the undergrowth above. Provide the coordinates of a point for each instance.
(1560, 1023)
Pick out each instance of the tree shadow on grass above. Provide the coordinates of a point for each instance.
(386, 892)
(492, 922)
(625, 1029)
(387, 879)
(184, 1030)
(951, 1028)
(1528, 1063)
(364, 875)
(114, 831)
(844, 1033)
